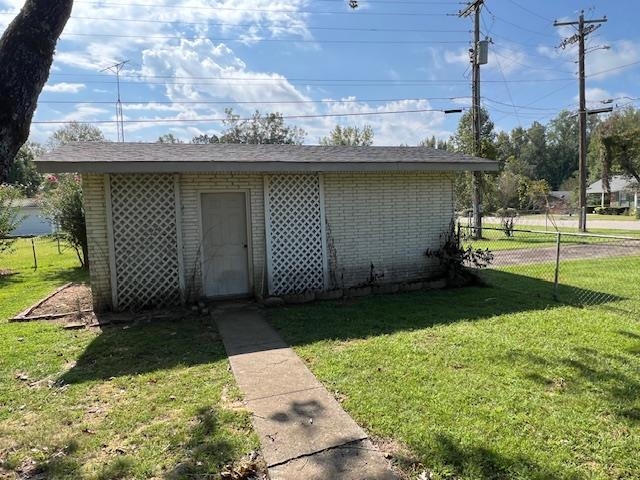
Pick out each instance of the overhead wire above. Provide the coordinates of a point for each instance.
(215, 120)
(506, 85)
(277, 40)
(251, 102)
(528, 10)
(265, 10)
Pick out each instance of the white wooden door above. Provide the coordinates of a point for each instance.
(225, 266)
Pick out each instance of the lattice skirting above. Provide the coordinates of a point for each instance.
(296, 241)
(145, 241)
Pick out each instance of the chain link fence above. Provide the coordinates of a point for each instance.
(578, 269)
(32, 252)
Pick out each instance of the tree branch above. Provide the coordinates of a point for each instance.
(26, 53)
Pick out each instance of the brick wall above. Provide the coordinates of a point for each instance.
(388, 219)
(191, 186)
(96, 218)
(385, 219)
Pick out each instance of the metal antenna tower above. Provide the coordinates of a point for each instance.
(116, 68)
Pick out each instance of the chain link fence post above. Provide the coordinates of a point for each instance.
(35, 258)
(557, 271)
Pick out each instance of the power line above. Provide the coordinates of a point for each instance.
(363, 82)
(213, 120)
(532, 67)
(520, 27)
(251, 102)
(535, 14)
(523, 107)
(619, 67)
(263, 10)
(277, 40)
(247, 25)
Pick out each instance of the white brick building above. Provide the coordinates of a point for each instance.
(167, 223)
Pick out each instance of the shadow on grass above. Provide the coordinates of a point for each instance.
(147, 347)
(484, 463)
(585, 369)
(76, 275)
(378, 315)
(207, 451)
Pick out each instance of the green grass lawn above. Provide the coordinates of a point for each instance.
(139, 401)
(26, 284)
(484, 382)
(145, 401)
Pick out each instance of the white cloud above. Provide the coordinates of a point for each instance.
(458, 56)
(389, 128)
(64, 87)
(607, 61)
(200, 70)
(600, 62)
(506, 58)
(596, 97)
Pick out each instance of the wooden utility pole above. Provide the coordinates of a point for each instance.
(585, 27)
(476, 177)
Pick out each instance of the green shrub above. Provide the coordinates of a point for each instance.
(9, 214)
(63, 204)
(609, 210)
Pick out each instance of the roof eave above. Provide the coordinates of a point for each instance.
(268, 167)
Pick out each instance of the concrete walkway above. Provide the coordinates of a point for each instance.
(303, 430)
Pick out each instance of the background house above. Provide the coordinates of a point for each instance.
(624, 192)
(167, 222)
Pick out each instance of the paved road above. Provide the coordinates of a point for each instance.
(570, 223)
(526, 256)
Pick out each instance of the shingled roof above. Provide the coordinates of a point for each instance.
(111, 157)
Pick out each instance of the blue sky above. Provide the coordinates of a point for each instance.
(313, 60)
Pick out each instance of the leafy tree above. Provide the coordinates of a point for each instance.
(63, 199)
(26, 53)
(205, 139)
(619, 136)
(9, 214)
(169, 138)
(504, 148)
(463, 141)
(518, 140)
(23, 172)
(432, 142)
(76, 132)
(349, 136)
(534, 151)
(63, 204)
(266, 129)
(508, 191)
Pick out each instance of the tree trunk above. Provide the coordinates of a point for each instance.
(26, 53)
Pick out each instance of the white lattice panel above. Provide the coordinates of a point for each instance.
(145, 240)
(295, 244)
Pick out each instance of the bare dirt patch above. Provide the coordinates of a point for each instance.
(74, 298)
(70, 305)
